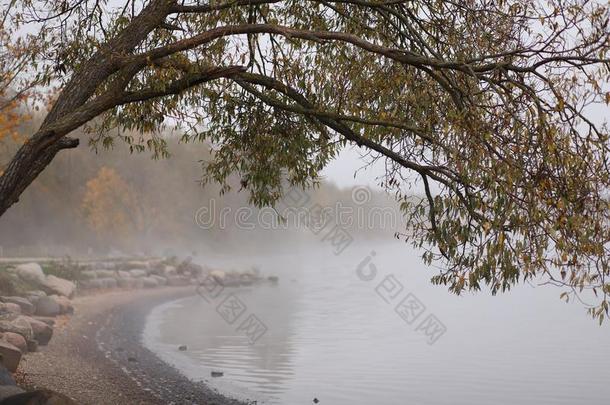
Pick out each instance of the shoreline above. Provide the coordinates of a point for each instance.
(97, 357)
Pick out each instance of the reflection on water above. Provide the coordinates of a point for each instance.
(332, 336)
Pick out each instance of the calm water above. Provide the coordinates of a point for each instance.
(332, 336)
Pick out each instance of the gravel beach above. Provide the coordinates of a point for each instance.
(96, 356)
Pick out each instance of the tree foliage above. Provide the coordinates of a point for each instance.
(489, 105)
(109, 205)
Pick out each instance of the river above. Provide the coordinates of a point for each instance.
(367, 327)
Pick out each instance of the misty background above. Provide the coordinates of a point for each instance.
(113, 202)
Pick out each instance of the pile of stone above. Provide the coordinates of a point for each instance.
(238, 278)
(27, 321)
(158, 273)
(137, 274)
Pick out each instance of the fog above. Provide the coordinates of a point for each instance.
(332, 312)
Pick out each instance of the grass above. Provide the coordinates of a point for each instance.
(67, 269)
(10, 285)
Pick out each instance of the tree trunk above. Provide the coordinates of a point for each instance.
(74, 106)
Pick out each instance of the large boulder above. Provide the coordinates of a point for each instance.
(65, 305)
(39, 397)
(32, 345)
(219, 276)
(150, 282)
(138, 273)
(6, 378)
(177, 281)
(47, 306)
(46, 319)
(9, 308)
(10, 356)
(34, 296)
(18, 325)
(8, 391)
(124, 274)
(160, 280)
(247, 279)
(89, 274)
(126, 282)
(36, 293)
(31, 272)
(137, 264)
(105, 273)
(169, 271)
(60, 286)
(26, 306)
(108, 282)
(16, 340)
(41, 331)
(91, 284)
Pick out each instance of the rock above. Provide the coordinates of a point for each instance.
(150, 282)
(39, 397)
(65, 305)
(10, 308)
(124, 274)
(89, 275)
(183, 348)
(32, 345)
(41, 331)
(16, 340)
(36, 293)
(218, 275)
(17, 325)
(7, 391)
(138, 264)
(160, 280)
(5, 377)
(106, 265)
(177, 281)
(46, 319)
(169, 271)
(34, 296)
(247, 279)
(91, 284)
(60, 286)
(231, 279)
(31, 272)
(47, 306)
(109, 282)
(126, 282)
(138, 273)
(26, 306)
(105, 273)
(10, 356)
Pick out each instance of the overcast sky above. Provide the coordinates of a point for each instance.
(342, 169)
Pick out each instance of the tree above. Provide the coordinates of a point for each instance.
(110, 206)
(487, 104)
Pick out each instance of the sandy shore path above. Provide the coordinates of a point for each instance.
(96, 356)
